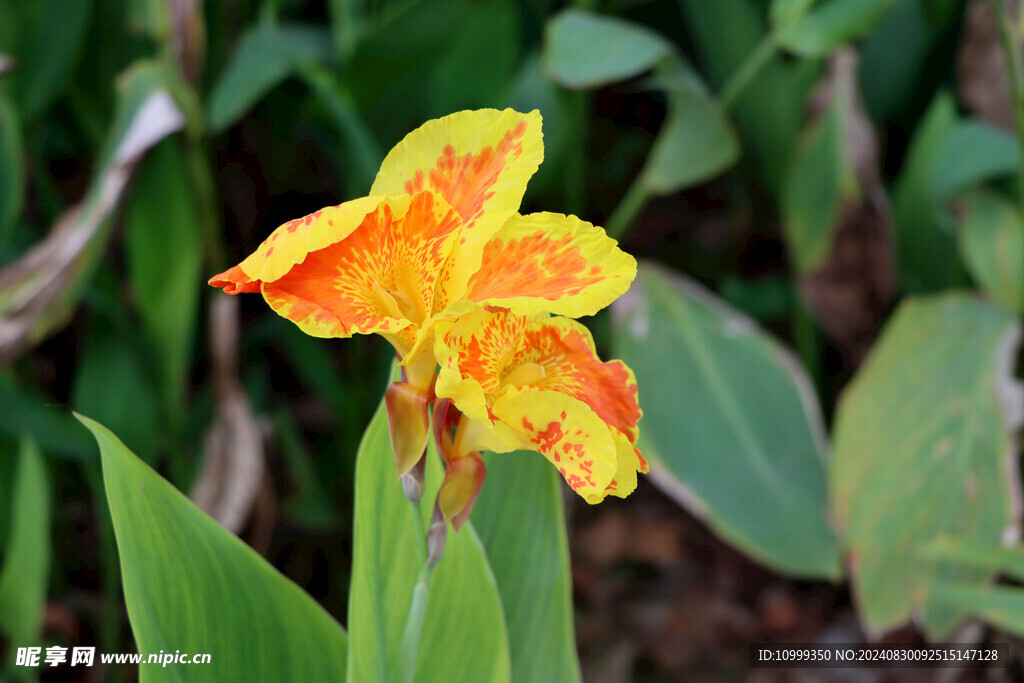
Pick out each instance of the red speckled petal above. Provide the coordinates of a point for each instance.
(566, 431)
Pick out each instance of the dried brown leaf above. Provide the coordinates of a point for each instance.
(234, 463)
(981, 80)
(37, 291)
(851, 291)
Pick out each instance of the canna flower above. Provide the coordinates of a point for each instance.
(523, 382)
(439, 236)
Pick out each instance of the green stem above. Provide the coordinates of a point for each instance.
(638, 194)
(747, 71)
(418, 607)
(1014, 74)
(632, 202)
(414, 625)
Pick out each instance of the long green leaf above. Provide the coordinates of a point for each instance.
(731, 423)
(12, 173)
(46, 62)
(1001, 606)
(164, 249)
(770, 110)
(926, 247)
(191, 585)
(521, 523)
(923, 446)
(264, 57)
(819, 183)
(464, 634)
(989, 556)
(25, 570)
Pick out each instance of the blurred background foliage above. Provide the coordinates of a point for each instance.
(830, 389)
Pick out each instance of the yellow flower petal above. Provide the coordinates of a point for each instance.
(480, 162)
(547, 262)
(566, 431)
(380, 278)
(290, 243)
(484, 353)
(628, 463)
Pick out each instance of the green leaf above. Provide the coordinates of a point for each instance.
(191, 585)
(832, 23)
(972, 152)
(586, 50)
(28, 412)
(521, 523)
(479, 63)
(165, 251)
(784, 14)
(770, 110)
(12, 174)
(112, 384)
(47, 51)
(264, 57)
(991, 239)
(991, 557)
(923, 446)
(1000, 606)
(820, 182)
(695, 143)
(731, 423)
(464, 634)
(893, 58)
(25, 570)
(926, 247)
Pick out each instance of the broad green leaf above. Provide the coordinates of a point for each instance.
(48, 46)
(731, 423)
(586, 50)
(989, 556)
(769, 112)
(165, 252)
(264, 57)
(832, 23)
(695, 143)
(191, 585)
(1000, 606)
(25, 565)
(521, 523)
(991, 239)
(926, 245)
(923, 445)
(112, 384)
(12, 174)
(819, 183)
(464, 634)
(973, 151)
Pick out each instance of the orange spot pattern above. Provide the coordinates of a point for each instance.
(340, 285)
(553, 438)
(466, 180)
(534, 266)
